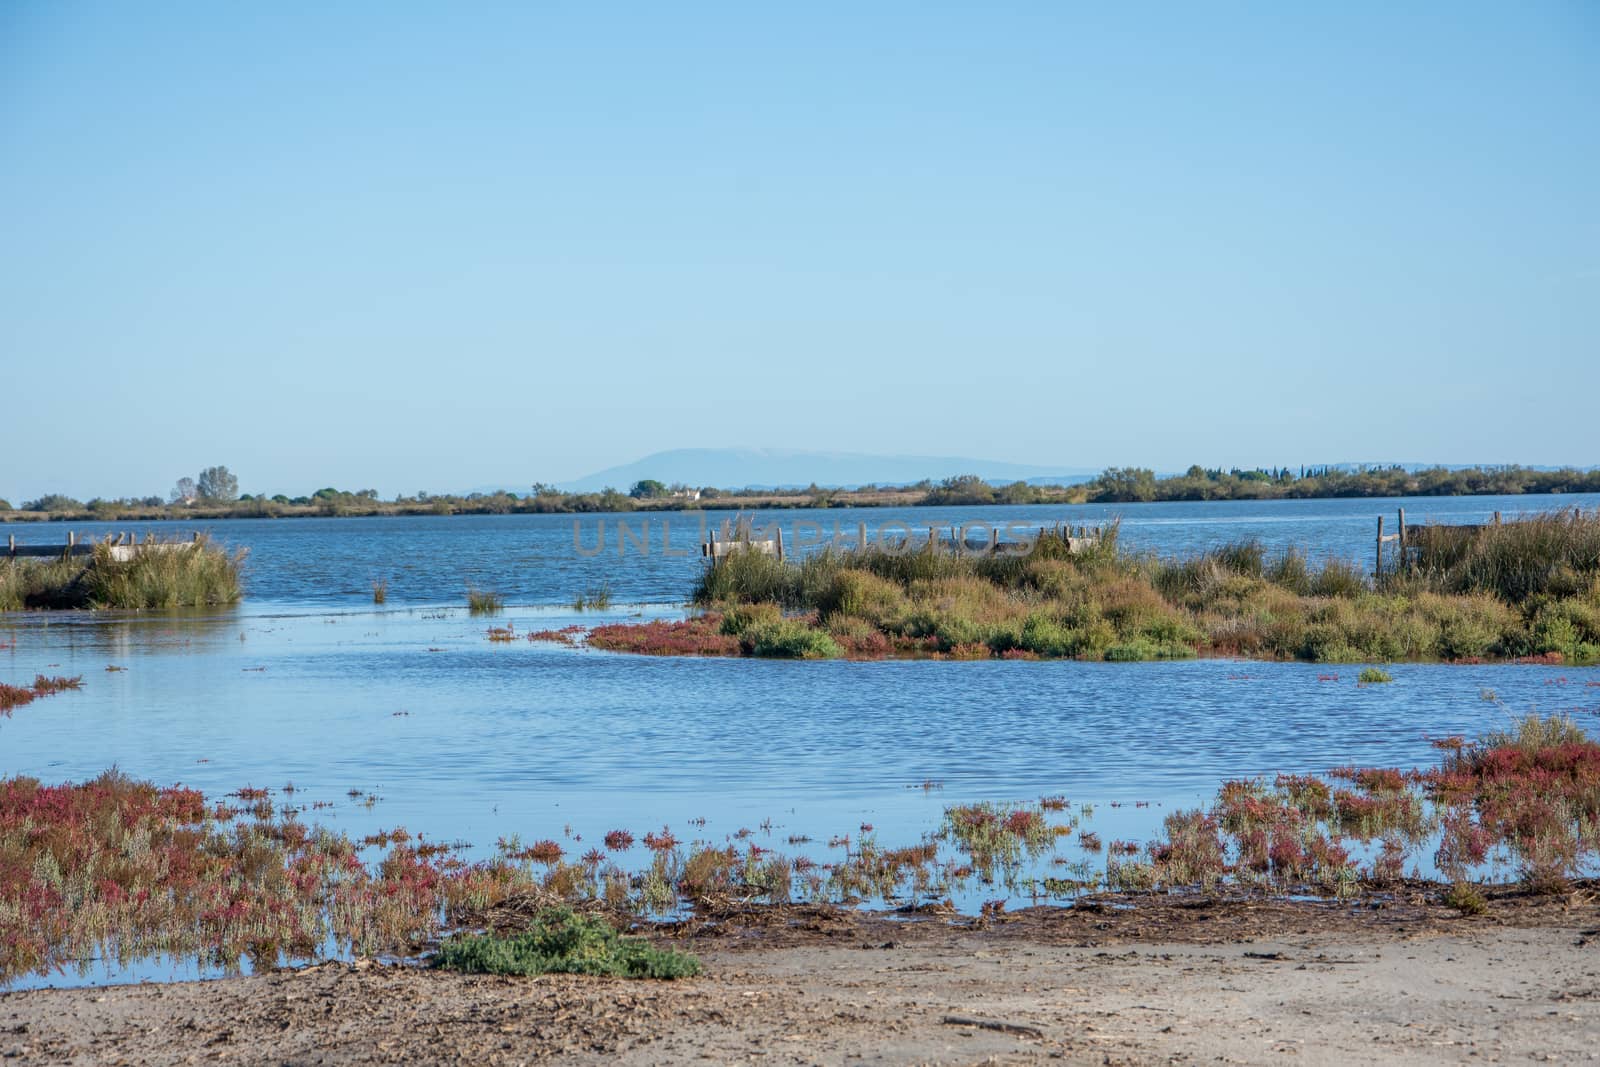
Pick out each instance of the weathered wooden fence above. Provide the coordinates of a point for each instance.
(957, 541)
(1412, 539)
(715, 549)
(122, 547)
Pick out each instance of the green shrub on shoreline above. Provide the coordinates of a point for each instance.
(559, 941)
(1529, 588)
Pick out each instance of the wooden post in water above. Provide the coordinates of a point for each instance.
(1377, 567)
(1497, 518)
(861, 537)
(1402, 538)
(780, 544)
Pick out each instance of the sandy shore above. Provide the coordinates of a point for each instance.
(1311, 985)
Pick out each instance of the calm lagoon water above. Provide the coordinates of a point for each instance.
(532, 559)
(459, 738)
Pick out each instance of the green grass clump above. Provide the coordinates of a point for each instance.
(483, 602)
(1554, 553)
(791, 639)
(741, 619)
(597, 599)
(563, 942)
(1466, 898)
(188, 574)
(748, 576)
(184, 577)
(1375, 676)
(41, 583)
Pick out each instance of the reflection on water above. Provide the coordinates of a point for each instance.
(461, 738)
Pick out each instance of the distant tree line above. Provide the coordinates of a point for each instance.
(1137, 484)
(214, 494)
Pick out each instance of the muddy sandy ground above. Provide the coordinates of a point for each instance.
(1231, 982)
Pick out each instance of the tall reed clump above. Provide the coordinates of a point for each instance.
(748, 576)
(596, 598)
(380, 590)
(180, 574)
(1553, 554)
(483, 602)
(41, 583)
(177, 575)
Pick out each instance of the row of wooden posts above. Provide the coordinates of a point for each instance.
(1077, 538)
(123, 546)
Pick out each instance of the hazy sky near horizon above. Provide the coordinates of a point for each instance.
(435, 246)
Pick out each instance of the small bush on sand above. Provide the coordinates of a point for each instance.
(562, 942)
(1466, 898)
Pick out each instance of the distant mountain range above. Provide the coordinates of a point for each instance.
(776, 468)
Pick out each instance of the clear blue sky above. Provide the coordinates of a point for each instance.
(435, 246)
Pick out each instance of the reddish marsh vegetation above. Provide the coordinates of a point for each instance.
(1533, 790)
(122, 869)
(698, 636)
(567, 635)
(14, 696)
(1526, 799)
